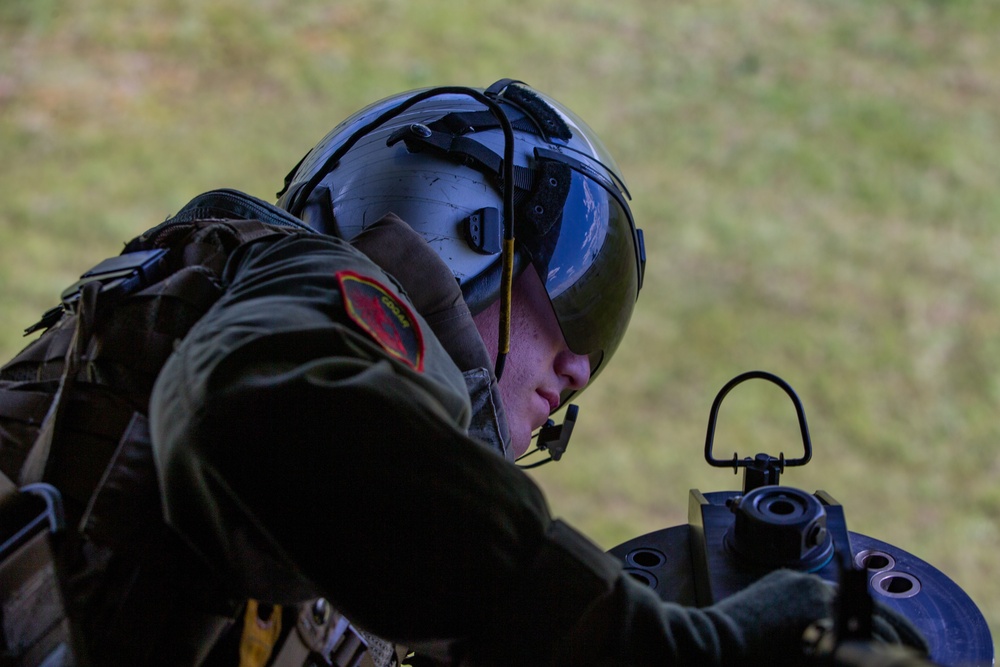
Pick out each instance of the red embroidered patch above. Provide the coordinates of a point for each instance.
(385, 318)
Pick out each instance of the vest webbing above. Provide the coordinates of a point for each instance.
(73, 412)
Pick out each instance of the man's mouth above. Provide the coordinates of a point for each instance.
(551, 398)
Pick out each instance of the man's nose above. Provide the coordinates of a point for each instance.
(574, 368)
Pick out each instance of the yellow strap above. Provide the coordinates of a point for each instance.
(259, 635)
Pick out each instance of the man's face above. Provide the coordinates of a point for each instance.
(539, 366)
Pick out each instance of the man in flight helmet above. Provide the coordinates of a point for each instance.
(336, 433)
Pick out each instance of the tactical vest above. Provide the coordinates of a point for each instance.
(73, 414)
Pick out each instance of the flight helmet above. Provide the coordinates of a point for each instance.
(442, 158)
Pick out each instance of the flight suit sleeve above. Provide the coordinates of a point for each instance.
(301, 454)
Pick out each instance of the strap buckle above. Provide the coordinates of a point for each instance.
(331, 639)
(119, 276)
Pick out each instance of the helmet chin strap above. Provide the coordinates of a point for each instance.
(301, 196)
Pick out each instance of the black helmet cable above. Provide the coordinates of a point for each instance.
(507, 190)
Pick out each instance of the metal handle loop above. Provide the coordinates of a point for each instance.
(736, 462)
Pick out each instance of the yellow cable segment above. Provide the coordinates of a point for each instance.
(506, 282)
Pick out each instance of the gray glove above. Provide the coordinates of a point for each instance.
(780, 600)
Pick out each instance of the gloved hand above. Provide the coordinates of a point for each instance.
(773, 613)
(402, 253)
(761, 625)
(783, 597)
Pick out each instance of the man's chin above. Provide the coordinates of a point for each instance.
(520, 441)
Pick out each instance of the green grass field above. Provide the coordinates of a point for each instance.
(817, 182)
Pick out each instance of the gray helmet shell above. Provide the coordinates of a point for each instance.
(437, 165)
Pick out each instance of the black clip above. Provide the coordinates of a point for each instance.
(484, 232)
(119, 276)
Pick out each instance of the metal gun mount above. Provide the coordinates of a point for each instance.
(735, 537)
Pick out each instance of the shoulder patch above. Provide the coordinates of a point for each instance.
(389, 321)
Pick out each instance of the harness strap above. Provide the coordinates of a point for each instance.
(38, 457)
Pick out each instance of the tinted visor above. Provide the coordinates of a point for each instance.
(589, 262)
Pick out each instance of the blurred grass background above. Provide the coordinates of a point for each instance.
(817, 181)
